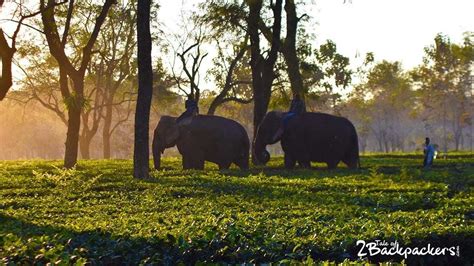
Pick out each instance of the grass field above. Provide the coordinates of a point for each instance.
(98, 213)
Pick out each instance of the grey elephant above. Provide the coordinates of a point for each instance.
(308, 137)
(202, 138)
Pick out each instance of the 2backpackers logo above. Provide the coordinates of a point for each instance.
(384, 248)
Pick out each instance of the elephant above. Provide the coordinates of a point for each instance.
(202, 138)
(308, 137)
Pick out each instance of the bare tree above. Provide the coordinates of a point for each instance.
(191, 63)
(228, 91)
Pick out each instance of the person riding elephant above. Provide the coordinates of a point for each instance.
(201, 138)
(192, 109)
(297, 107)
(308, 137)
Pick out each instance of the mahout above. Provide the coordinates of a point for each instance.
(202, 138)
(308, 137)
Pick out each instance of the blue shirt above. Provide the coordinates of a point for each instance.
(287, 118)
(430, 151)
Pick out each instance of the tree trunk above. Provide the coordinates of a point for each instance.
(256, 62)
(457, 141)
(215, 103)
(106, 136)
(141, 153)
(289, 50)
(6, 56)
(379, 141)
(75, 103)
(84, 147)
(221, 97)
(268, 75)
(445, 137)
(72, 136)
(363, 143)
(385, 142)
(262, 69)
(107, 148)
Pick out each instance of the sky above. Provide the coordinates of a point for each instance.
(391, 29)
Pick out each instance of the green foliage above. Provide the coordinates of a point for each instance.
(323, 70)
(444, 86)
(76, 102)
(98, 213)
(382, 103)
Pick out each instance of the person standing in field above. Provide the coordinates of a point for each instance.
(429, 152)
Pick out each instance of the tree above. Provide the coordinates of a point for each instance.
(7, 51)
(390, 104)
(262, 68)
(6, 54)
(324, 69)
(288, 47)
(193, 54)
(164, 98)
(442, 81)
(226, 23)
(307, 70)
(117, 45)
(73, 97)
(91, 116)
(110, 66)
(41, 84)
(358, 111)
(289, 50)
(232, 76)
(141, 153)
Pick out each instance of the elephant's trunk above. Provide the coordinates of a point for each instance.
(157, 150)
(260, 155)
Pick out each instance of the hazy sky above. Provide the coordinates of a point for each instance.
(392, 29)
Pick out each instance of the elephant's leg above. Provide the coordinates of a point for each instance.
(351, 163)
(199, 164)
(224, 165)
(289, 161)
(196, 161)
(187, 162)
(305, 164)
(332, 164)
(243, 161)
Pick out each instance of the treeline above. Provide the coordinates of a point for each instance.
(76, 89)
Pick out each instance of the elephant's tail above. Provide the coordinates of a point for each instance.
(245, 143)
(355, 142)
(156, 152)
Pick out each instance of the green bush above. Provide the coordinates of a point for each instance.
(97, 213)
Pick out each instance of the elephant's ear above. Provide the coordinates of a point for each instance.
(185, 121)
(279, 132)
(277, 136)
(279, 115)
(172, 136)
